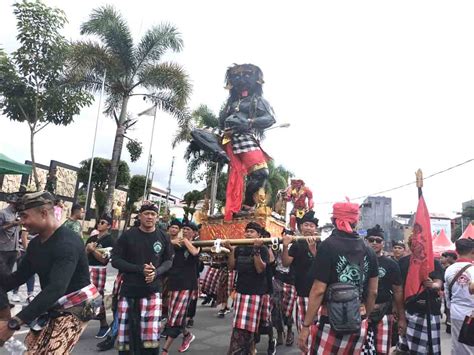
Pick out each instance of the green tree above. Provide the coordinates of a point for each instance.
(131, 70)
(101, 179)
(277, 180)
(191, 199)
(32, 85)
(135, 192)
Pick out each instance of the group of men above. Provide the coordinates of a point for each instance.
(346, 294)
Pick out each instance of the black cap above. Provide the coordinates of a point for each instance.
(175, 222)
(265, 233)
(255, 226)
(35, 199)
(191, 225)
(376, 231)
(398, 243)
(107, 217)
(148, 207)
(309, 217)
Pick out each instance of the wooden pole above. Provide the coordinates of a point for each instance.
(251, 241)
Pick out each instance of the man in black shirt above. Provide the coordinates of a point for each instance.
(299, 257)
(182, 281)
(142, 255)
(390, 289)
(342, 258)
(416, 310)
(251, 298)
(98, 257)
(67, 298)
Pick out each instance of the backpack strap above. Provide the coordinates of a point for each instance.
(456, 277)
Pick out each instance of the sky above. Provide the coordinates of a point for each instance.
(373, 90)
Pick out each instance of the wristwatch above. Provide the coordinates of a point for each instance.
(13, 324)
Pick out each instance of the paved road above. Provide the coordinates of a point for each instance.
(212, 334)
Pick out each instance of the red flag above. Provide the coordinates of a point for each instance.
(421, 261)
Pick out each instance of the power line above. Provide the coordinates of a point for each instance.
(401, 186)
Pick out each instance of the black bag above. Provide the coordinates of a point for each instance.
(466, 334)
(343, 305)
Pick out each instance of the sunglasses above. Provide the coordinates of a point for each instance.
(103, 222)
(375, 240)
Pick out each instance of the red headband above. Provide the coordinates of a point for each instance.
(345, 214)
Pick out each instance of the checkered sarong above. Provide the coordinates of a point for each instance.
(266, 310)
(379, 337)
(117, 285)
(98, 277)
(250, 310)
(288, 299)
(230, 282)
(326, 341)
(416, 339)
(194, 294)
(150, 312)
(209, 280)
(178, 303)
(214, 287)
(301, 308)
(78, 297)
(243, 143)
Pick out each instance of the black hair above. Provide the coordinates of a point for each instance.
(75, 207)
(464, 246)
(376, 231)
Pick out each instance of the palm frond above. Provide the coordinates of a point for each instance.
(204, 117)
(168, 77)
(156, 41)
(109, 25)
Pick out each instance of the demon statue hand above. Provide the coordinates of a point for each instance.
(242, 122)
(302, 199)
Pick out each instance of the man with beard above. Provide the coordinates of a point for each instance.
(251, 298)
(182, 282)
(142, 255)
(67, 299)
(390, 289)
(343, 265)
(98, 261)
(299, 257)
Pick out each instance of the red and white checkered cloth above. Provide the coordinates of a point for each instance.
(250, 310)
(208, 280)
(301, 308)
(230, 282)
(326, 341)
(98, 277)
(78, 297)
(288, 299)
(215, 282)
(177, 307)
(194, 294)
(117, 284)
(380, 336)
(150, 312)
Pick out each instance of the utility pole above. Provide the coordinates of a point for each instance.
(169, 186)
(214, 190)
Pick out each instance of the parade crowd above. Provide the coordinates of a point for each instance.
(343, 295)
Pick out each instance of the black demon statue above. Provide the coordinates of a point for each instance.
(242, 121)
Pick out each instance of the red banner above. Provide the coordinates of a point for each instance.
(421, 260)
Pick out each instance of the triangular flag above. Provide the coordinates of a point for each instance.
(149, 111)
(421, 260)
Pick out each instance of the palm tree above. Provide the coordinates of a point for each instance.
(277, 180)
(131, 70)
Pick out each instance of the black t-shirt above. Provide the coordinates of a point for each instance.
(62, 267)
(302, 261)
(417, 304)
(105, 242)
(183, 274)
(249, 282)
(344, 257)
(133, 250)
(389, 275)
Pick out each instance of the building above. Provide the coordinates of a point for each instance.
(376, 210)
